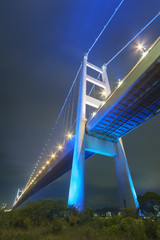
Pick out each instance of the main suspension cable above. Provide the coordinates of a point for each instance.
(105, 27)
(132, 39)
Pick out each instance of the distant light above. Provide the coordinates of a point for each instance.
(140, 47)
(119, 82)
(47, 162)
(40, 172)
(69, 135)
(93, 114)
(104, 94)
(43, 167)
(53, 155)
(59, 147)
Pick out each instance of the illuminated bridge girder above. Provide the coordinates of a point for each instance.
(133, 103)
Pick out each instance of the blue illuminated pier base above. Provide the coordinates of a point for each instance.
(76, 191)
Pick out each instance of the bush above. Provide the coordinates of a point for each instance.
(158, 230)
(87, 215)
(152, 229)
(129, 212)
(20, 222)
(113, 229)
(99, 222)
(133, 228)
(89, 233)
(57, 226)
(73, 220)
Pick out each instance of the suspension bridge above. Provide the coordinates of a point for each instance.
(93, 120)
(84, 133)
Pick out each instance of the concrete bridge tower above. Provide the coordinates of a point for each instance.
(95, 144)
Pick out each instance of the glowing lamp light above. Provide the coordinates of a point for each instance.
(69, 135)
(43, 167)
(47, 162)
(53, 155)
(40, 172)
(104, 93)
(140, 47)
(59, 147)
(119, 82)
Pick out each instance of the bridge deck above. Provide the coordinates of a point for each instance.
(134, 102)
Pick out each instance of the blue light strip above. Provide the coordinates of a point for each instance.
(132, 39)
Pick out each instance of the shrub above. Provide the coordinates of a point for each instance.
(133, 228)
(152, 229)
(89, 233)
(113, 229)
(20, 222)
(99, 222)
(87, 215)
(57, 226)
(158, 230)
(129, 212)
(73, 220)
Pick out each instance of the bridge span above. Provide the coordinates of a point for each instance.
(131, 104)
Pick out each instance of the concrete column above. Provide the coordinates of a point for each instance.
(127, 194)
(76, 190)
(105, 80)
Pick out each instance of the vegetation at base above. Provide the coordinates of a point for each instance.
(50, 219)
(149, 203)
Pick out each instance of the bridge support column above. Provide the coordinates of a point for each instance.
(76, 190)
(127, 194)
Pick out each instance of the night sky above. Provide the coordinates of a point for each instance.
(41, 45)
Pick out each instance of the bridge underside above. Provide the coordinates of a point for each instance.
(134, 102)
(63, 165)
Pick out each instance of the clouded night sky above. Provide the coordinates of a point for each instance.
(41, 45)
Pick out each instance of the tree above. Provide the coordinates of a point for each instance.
(149, 203)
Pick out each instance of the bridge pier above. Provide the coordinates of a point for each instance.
(76, 190)
(127, 194)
